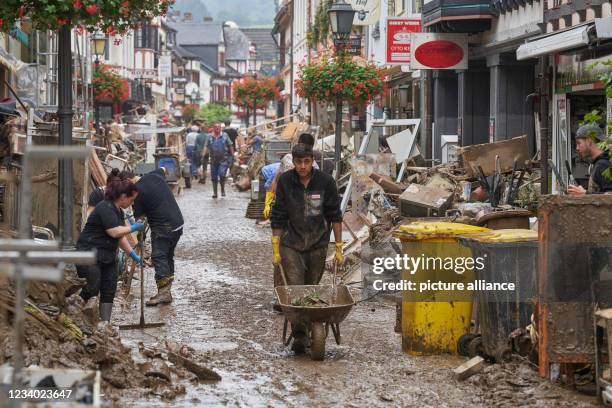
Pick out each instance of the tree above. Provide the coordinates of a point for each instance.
(214, 113)
(109, 16)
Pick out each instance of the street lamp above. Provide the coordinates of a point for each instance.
(341, 16)
(99, 50)
(255, 66)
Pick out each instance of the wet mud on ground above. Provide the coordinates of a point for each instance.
(222, 309)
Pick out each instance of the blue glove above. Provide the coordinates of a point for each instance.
(139, 226)
(135, 257)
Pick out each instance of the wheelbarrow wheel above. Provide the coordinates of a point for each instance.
(317, 347)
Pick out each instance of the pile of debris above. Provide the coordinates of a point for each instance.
(59, 333)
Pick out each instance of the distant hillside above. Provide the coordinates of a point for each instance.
(244, 12)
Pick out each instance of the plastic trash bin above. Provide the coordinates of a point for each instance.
(510, 256)
(433, 321)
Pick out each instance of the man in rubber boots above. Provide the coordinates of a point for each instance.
(587, 138)
(157, 203)
(221, 151)
(306, 209)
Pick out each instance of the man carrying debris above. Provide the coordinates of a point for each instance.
(306, 209)
(587, 138)
(221, 151)
(157, 203)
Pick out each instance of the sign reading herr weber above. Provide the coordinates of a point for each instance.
(398, 39)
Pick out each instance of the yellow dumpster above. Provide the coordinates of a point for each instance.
(437, 309)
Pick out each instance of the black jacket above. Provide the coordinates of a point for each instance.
(598, 183)
(305, 214)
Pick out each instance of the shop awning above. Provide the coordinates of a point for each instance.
(573, 37)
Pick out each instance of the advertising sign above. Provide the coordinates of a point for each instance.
(143, 73)
(351, 46)
(398, 39)
(165, 66)
(439, 51)
(367, 12)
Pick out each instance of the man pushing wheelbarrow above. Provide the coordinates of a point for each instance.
(306, 209)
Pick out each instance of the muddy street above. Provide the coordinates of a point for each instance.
(222, 309)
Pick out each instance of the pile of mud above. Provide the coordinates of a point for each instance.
(517, 383)
(58, 334)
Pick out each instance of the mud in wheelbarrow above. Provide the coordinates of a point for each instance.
(318, 319)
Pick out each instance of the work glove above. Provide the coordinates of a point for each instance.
(138, 226)
(268, 207)
(135, 257)
(276, 258)
(339, 257)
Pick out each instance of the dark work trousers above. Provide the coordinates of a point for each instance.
(163, 243)
(205, 160)
(101, 279)
(303, 268)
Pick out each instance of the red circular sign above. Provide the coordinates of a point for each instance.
(439, 54)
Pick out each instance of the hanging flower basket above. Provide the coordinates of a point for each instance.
(340, 77)
(109, 16)
(250, 89)
(108, 86)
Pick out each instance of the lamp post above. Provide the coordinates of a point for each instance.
(99, 49)
(254, 68)
(341, 16)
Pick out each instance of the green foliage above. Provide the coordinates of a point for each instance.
(595, 116)
(318, 33)
(212, 113)
(109, 16)
(329, 79)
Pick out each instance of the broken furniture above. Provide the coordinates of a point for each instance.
(483, 155)
(424, 201)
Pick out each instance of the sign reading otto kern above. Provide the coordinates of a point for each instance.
(398, 39)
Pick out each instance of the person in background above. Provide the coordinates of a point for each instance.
(254, 141)
(190, 142)
(198, 151)
(231, 132)
(105, 231)
(221, 151)
(587, 138)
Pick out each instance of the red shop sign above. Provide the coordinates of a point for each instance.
(398, 39)
(439, 54)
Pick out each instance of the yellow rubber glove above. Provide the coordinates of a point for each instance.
(268, 208)
(276, 258)
(339, 258)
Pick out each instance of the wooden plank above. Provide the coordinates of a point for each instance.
(203, 373)
(484, 155)
(469, 368)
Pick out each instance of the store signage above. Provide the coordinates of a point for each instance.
(439, 51)
(352, 46)
(399, 31)
(179, 80)
(367, 12)
(165, 66)
(143, 73)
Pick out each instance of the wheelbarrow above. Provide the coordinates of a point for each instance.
(318, 318)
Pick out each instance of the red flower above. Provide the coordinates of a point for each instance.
(347, 82)
(1, 22)
(62, 21)
(93, 9)
(110, 30)
(21, 12)
(78, 5)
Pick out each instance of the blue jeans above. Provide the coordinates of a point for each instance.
(218, 171)
(192, 160)
(163, 243)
